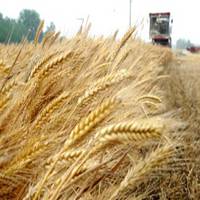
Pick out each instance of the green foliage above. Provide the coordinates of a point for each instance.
(13, 30)
(30, 19)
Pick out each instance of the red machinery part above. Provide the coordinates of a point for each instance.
(161, 14)
(193, 49)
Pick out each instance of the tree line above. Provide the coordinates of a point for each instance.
(183, 43)
(13, 30)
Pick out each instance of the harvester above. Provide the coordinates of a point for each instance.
(160, 28)
(194, 49)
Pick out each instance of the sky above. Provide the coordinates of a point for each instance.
(107, 16)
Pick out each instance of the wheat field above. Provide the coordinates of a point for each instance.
(96, 118)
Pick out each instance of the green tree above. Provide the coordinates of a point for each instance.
(29, 21)
(51, 27)
(12, 30)
(5, 27)
(183, 43)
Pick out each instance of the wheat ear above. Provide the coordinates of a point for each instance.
(131, 131)
(67, 156)
(51, 65)
(102, 84)
(127, 132)
(46, 38)
(54, 38)
(3, 68)
(123, 41)
(78, 132)
(47, 112)
(33, 149)
(8, 87)
(7, 180)
(3, 102)
(91, 121)
(122, 132)
(115, 35)
(38, 32)
(155, 160)
(39, 66)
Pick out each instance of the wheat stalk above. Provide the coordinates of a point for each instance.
(38, 32)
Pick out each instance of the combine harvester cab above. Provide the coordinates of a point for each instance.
(160, 28)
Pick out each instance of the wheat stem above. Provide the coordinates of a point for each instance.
(38, 32)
